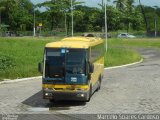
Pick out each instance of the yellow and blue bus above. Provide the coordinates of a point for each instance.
(72, 68)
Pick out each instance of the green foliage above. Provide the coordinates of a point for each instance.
(114, 18)
(6, 62)
(17, 15)
(120, 4)
(138, 42)
(56, 10)
(21, 56)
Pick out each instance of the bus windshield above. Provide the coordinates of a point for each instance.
(54, 64)
(75, 61)
(62, 61)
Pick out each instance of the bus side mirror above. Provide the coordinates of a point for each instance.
(91, 67)
(40, 67)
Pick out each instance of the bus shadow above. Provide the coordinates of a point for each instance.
(36, 101)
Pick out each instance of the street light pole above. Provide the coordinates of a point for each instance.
(66, 23)
(0, 20)
(155, 21)
(72, 15)
(106, 25)
(34, 26)
(155, 34)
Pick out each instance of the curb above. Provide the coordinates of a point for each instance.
(19, 80)
(109, 68)
(31, 78)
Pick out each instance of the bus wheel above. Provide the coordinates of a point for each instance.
(99, 83)
(90, 94)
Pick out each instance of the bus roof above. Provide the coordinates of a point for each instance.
(75, 42)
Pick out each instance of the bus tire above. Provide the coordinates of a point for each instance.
(90, 94)
(99, 83)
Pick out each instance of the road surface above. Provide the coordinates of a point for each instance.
(132, 89)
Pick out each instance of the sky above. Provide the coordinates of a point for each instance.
(95, 2)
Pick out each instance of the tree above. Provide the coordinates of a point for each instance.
(90, 19)
(129, 13)
(130, 5)
(1, 9)
(17, 13)
(144, 15)
(67, 11)
(53, 10)
(125, 7)
(120, 4)
(56, 10)
(7, 6)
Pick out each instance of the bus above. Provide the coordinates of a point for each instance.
(72, 68)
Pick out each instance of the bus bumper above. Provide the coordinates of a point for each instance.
(60, 95)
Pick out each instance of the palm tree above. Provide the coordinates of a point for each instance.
(1, 9)
(144, 15)
(130, 5)
(120, 4)
(129, 12)
(53, 9)
(57, 9)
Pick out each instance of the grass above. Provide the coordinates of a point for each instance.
(137, 42)
(121, 56)
(117, 55)
(116, 51)
(19, 57)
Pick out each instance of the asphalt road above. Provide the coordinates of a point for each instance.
(132, 89)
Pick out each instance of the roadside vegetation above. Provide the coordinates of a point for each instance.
(121, 56)
(19, 57)
(17, 16)
(138, 42)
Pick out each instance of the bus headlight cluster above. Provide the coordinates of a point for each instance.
(82, 95)
(48, 94)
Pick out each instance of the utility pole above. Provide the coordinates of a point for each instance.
(0, 24)
(106, 31)
(155, 34)
(66, 23)
(0, 20)
(155, 22)
(102, 12)
(34, 26)
(72, 15)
